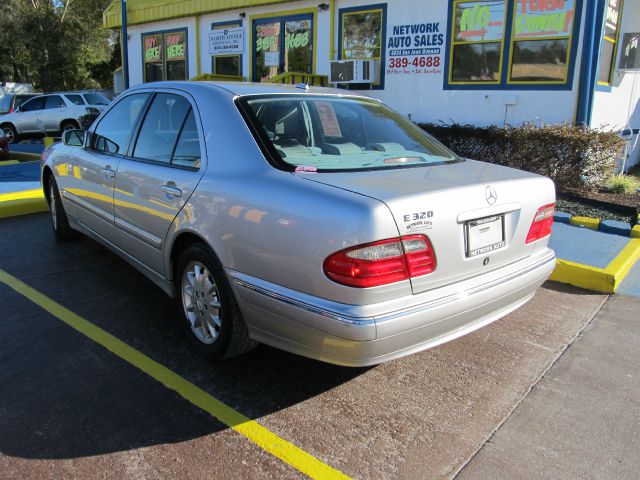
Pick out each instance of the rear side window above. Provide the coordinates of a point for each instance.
(33, 104)
(161, 128)
(75, 99)
(96, 99)
(187, 152)
(113, 132)
(54, 101)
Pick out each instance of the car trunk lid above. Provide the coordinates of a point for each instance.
(475, 214)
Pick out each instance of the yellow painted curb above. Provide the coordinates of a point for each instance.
(583, 276)
(5, 163)
(605, 280)
(22, 203)
(585, 222)
(635, 231)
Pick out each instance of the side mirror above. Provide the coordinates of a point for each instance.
(74, 138)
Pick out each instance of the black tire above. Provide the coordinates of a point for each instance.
(10, 133)
(59, 220)
(230, 337)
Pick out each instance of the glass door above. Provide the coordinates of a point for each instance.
(282, 44)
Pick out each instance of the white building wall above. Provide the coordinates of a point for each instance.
(423, 96)
(619, 107)
(420, 95)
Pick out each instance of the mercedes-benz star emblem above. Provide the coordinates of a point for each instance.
(491, 195)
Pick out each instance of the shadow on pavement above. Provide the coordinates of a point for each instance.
(64, 396)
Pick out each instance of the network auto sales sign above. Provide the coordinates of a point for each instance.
(228, 41)
(415, 49)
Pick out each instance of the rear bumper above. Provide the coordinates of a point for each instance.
(367, 335)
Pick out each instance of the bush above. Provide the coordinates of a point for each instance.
(622, 184)
(572, 156)
(88, 118)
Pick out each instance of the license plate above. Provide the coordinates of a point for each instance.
(484, 235)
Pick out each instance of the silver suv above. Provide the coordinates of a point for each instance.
(51, 114)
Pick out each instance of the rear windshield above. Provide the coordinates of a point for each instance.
(96, 99)
(332, 133)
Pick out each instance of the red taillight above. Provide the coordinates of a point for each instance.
(381, 263)
(542, 223)
(10, 110)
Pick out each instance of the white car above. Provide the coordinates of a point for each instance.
(51, 113)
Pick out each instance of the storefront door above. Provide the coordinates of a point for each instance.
(282, 44)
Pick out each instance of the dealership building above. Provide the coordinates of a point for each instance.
(467, 61)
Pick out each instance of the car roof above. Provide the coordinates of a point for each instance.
(248, 88)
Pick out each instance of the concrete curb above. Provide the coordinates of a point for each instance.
(22, 203)
(607, 226)
(24, 156)
(605, 280)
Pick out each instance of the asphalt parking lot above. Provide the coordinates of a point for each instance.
(73, 407)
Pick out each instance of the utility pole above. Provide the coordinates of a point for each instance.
(125, 46)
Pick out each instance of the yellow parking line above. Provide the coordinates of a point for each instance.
(265, 439)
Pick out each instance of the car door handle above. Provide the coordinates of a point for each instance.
(171, 190)
(108, 172)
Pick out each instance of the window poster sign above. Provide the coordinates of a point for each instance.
(152, 48)
(611, 19)
(543, 18)
(271, 59)
(175, 45)
(227, 41)
(415, 49)
(479, 21)
(630, 52)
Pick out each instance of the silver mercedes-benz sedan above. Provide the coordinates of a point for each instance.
(313, 220)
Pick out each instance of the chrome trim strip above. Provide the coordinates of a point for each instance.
(305, 306)
(465, 293)
(87, 206)
(146, 237)
(398, 313)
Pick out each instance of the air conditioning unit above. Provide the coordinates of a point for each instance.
(355, 71)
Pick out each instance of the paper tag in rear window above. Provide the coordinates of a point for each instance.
(328, 119)
(484, 235)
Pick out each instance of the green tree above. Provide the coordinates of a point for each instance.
(56, 44)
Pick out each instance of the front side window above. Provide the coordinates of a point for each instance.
(165, 56)
(113, 132)
(362, 37)
(161, 127)
(340, 134)
(33, 105)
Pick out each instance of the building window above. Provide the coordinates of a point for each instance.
(609, 45)
(363, 36)
(283, 44)
(478, 41)
(226, 64)
(165, 55)
(541, 41)
(511, 44)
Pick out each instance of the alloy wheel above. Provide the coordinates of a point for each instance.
(201, 302)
